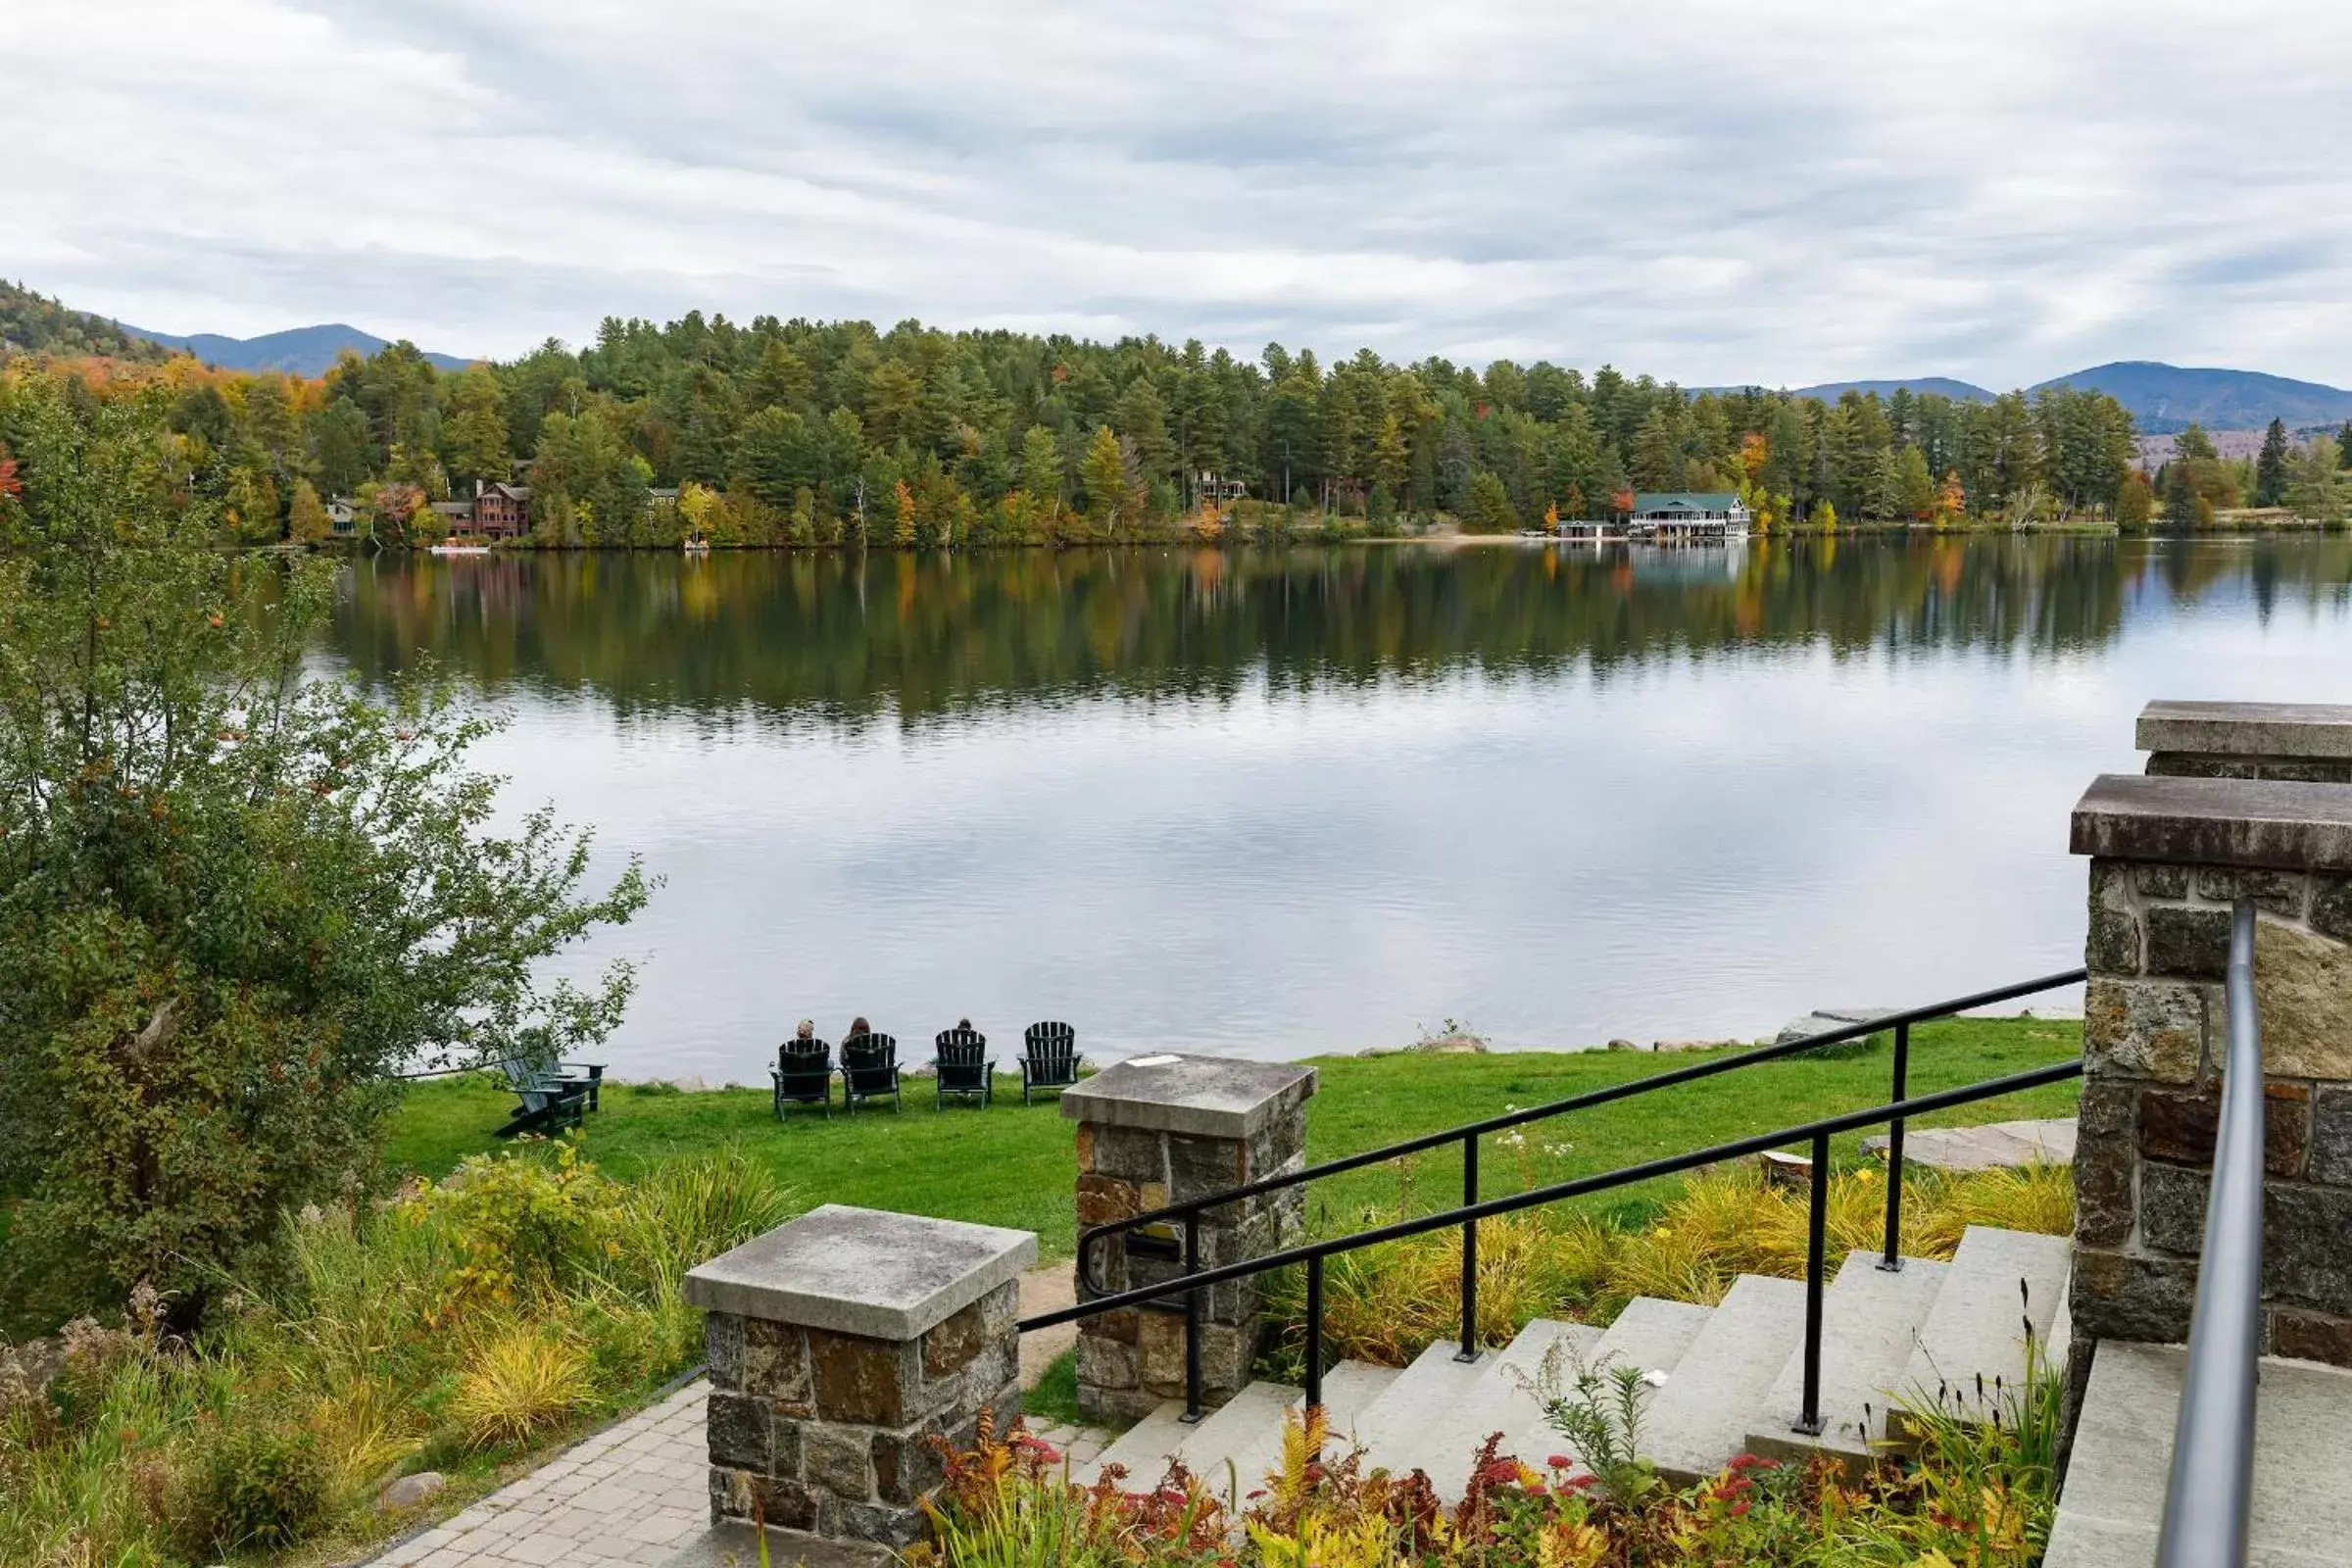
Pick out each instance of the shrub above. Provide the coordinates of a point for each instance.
(254, 1485)
(233, 897)
(519, 1381)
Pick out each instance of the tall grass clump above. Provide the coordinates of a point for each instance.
(1387, 1303)
(450, 1328)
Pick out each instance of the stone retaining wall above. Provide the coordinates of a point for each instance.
(2170, 854)
(1163, 1130)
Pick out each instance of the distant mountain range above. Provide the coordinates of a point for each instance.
(2163, 399)
(297, 351)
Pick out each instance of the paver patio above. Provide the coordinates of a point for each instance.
(640, 1489)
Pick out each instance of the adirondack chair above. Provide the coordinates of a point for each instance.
(543, 1101)
(802, 1076)
(964, 1066)
(535, 1055)
(869, 1070)
(1049, 1059)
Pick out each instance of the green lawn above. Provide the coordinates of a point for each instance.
(1013, 1165)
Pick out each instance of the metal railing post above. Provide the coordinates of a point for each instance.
(1808, 1421)
(1890, 1256)
(1468, 1345)
(1191, 1320)
(2209, 1497)
(1314, 1333)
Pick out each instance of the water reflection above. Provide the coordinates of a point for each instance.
(1278, 801)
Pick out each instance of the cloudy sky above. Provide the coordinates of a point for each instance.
(1783, 192)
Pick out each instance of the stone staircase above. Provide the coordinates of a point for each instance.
(1726, 1380)
(2115, 1484)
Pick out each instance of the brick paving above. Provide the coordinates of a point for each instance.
(635, 1493)
(639, 1490)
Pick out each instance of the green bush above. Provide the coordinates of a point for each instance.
(253, 1484)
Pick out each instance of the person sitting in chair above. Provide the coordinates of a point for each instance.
(858, 1026)
(806, 1030)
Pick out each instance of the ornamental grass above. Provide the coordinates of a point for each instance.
(454, 1328)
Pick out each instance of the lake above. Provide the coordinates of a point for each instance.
(1275, 801)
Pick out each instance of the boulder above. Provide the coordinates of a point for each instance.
(409, 1491)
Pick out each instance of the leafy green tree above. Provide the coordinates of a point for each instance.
(2135, 504)
(1103, 473)
(345, 447)
(235, 897)
(1490, 510)
(2318, 489)
(477, 429)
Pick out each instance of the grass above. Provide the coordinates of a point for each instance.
(1013, 1164)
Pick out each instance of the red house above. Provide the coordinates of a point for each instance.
(501, 510)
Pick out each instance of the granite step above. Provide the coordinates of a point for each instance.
(1698, 1421)
(2112, 1501)
(1145, 1448)
(2001, 1284)
(1391, 1430)
(1870, 1322)
(1500, 1399)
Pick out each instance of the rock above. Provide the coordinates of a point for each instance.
(409, 1491)
(1783, 1169)
(1821, 1021)
(1453, 1044)
(2303, 992)
(1675, 1046)
(1623, 1044)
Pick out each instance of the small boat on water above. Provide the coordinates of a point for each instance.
(696, 547)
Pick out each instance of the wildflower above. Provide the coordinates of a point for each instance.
(1654, 1378)
(1862, 1175)
(1560, 1461)
(1749, 1461)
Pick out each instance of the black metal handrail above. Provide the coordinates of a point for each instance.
(1189, 1211)
(1194, 1280)
(2207, 1503)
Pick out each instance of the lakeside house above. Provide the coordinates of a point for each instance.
(501, 510)
(342, 514)
(1689, 514)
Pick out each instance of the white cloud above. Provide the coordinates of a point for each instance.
(1707, 191)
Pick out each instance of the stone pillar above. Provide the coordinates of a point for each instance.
(1158, 1130)
(839, 1343)
(2168, 856)
(2293, 742)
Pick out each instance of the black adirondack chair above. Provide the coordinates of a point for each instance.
(803, 1075)
(869, 1070)
(542, 1102)
(964, 1067)
(534, 1057)
(1049, 1059)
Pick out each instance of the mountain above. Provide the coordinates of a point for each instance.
(297, 351)
(31, 324)
(1940, 385)
(2168, 398)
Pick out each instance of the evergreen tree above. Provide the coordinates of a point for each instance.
(2270, 469)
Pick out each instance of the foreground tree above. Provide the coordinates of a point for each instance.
(234, 895)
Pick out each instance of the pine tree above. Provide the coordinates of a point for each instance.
(2270, 469)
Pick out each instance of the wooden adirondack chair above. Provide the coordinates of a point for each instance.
(803, 1075)
(1049, 1059)
(964, 1067)
(545, 1102)
(869, 1070)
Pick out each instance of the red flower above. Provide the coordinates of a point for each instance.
(1560, 1461)
(1748, 1461)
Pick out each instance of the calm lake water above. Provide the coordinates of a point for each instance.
(1274, 802)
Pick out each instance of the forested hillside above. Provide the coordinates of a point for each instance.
(801, 433)
(32, 325)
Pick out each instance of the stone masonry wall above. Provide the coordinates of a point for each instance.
(1131, 1361)
(2290, 769)
(2154, 1027)
(828, 1431)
